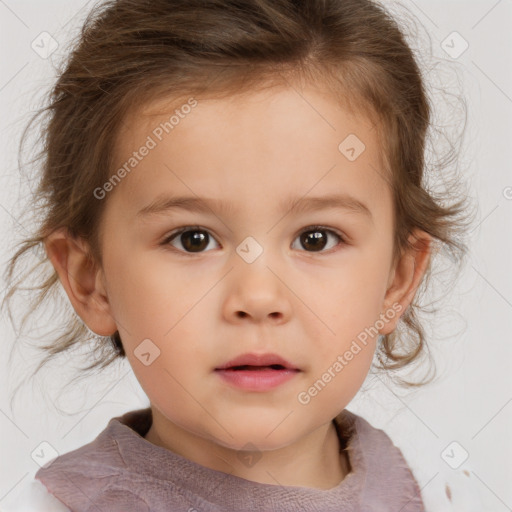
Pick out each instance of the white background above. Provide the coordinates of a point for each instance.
(471, 401)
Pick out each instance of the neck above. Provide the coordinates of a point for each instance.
(314, 461)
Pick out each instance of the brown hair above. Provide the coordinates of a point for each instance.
(132, 51)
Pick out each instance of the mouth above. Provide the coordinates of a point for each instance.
(258, 362)
(247, 367)
(257, 372)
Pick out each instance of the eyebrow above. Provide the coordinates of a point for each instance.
(164, 204)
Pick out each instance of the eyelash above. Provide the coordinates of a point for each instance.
(313, 228)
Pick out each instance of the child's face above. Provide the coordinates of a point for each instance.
(252, 156)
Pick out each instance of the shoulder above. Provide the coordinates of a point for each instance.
(369, 443)
(366, 442)
(99, 469)
(33, 497)
(381, 466)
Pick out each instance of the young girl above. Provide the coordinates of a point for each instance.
(234, 196)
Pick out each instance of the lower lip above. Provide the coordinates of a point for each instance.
(257, 380)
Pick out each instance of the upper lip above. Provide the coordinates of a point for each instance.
(258, 360)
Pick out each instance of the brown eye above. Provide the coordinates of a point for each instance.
(315, 239)
(191, 240)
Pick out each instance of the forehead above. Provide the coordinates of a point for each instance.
(276, 141)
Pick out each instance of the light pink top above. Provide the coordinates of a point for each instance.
(121, 471)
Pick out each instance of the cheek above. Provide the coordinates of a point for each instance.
(353, 297)
(175, 357)
(146, 297)
(169, 390)
(360, 284)
(349, 306)
(335, 385)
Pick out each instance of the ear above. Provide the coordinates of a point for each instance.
(82, 279)
(406, 277)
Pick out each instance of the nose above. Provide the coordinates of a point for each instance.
(256, 293)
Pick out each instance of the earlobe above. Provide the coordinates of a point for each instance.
(82, 280)
(406, 277)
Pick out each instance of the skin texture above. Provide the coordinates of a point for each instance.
(203, 309)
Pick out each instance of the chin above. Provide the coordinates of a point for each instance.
(262, 435)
